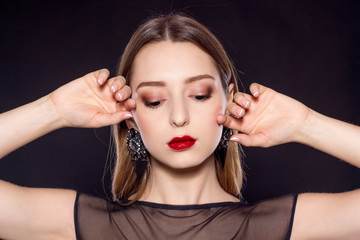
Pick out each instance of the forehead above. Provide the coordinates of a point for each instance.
(167, 61)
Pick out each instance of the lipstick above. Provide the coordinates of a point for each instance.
(181, 143)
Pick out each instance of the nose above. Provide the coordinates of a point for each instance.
(179, 115)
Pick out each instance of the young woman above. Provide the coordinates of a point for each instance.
(176, 176)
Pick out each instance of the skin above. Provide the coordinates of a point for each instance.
(167, 101)
(269, 119)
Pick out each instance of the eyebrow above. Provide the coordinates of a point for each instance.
(198, 77)
(163, 84)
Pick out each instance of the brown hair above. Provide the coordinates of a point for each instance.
(176, 28)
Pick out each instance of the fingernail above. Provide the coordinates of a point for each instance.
(127, 116)
(256, 93)
(120, 96)
(100, 82)
(241, 112)
(235, 139)
(247, 104)
(113, 88)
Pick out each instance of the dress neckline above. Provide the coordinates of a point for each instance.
(187, 206)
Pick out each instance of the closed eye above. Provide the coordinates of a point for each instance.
(153, 104)
(202, 97)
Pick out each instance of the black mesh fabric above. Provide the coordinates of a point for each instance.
(97, 219)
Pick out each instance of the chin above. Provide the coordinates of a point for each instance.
(183, 165)
(182, 162)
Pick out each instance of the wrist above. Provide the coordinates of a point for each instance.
(50, 114)
(309, 128)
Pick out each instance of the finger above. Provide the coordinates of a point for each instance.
(242, 99)
(123, 93)
(221, 119)
(116, 83)
(253, 140)
(106, 119)
(129, 104)
(235, 110)
(229, 122)
(101, 76)
(256, 89)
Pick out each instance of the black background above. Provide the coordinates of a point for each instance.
(308, 50)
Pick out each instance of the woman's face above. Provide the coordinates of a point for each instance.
(178, 94)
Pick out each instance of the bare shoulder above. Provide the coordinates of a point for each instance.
(327, 216)
(36, 213)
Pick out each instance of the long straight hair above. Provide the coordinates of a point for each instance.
(176, 28)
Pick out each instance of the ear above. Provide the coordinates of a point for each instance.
(231, 90)
(130, 123)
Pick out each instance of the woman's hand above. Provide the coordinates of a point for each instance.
(265, 118)
(93, 101)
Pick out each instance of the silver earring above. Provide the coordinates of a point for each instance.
(138, 152)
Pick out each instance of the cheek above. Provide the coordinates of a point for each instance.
(143, 121)
(206, 121)
(209, 111)
(150, 125)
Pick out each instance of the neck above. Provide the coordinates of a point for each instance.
(196, 185)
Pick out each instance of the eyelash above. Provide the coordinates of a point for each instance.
(202, 98)
(156, 104)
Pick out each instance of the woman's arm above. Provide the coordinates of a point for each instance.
(327, 216)
(337, 138)
(34, 213)
(90, 101)
(26, 123)
(269, 118)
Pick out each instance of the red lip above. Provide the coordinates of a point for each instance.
(181, 143)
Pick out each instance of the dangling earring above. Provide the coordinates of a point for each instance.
(139, 155)
(221, 149)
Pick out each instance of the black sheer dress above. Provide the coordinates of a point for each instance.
(97, 219)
